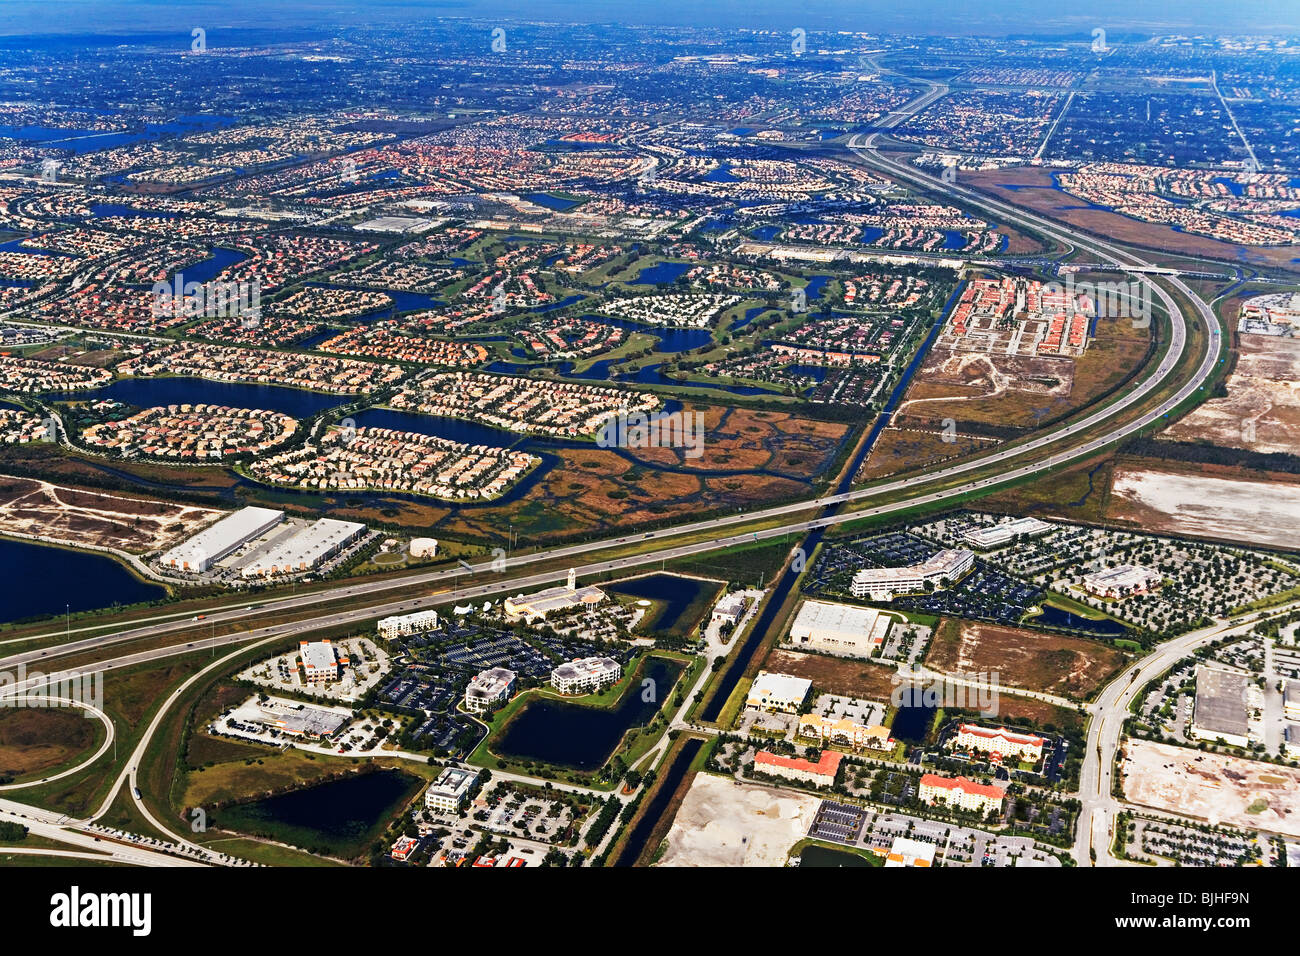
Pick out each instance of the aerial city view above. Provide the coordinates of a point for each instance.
(579, 438)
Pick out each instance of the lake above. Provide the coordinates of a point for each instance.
(340, 818)
(42, 580)
(683, 599)
(584, 737)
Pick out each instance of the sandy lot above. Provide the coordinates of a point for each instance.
(725, 823)
(74, 516)
(1263, 394)
(1260, 512)
(1053, 663)
(1221, 790)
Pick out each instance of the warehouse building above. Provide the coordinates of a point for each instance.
(884, 584)
(404, 625)
(201, 552)
(778, 692)
(841, 629)
(1222, 709)
(306, 550)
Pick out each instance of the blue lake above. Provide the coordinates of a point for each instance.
(39, 580)
(574, 735)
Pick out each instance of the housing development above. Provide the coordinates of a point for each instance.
(446, 440)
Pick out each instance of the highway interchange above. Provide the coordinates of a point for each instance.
(1061, 445)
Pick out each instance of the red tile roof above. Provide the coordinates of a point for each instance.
(963, 784)
(827, 766)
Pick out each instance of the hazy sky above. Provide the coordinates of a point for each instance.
(991, 17)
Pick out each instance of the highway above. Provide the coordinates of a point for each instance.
(1056, 447)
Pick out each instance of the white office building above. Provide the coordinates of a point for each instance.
(1003, 532)
(203, 550)
(778, 692)
(884, 584)
(404, 625)
(450, 791)
(586, 674)
(489, 688)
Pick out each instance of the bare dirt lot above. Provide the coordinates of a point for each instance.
(1259, 512)
(835, 675)
(1051, 663)
(1262, 409)
(723, 822)
(1020, 390)
(1244, 793)
(69, 515)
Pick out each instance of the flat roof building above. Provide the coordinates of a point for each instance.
(586, 674)
(1122, 580)
(1291, 700)
(840, 628)
(450, 791)
(1222, 709)
(307, 549)
(489, 688)
(778, 692)
(404, 625)
(906, 851)
(884, 584)
(320, 662)
(203, 550)
(1001, 533)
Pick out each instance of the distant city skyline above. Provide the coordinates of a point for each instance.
(933, 17)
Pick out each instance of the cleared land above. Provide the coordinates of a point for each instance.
(28, 506)
(1262, 409)
(1051, 663)
(725, 823)
(1261, 512)
(835, 675)
(1218, 789)
(1019, 390)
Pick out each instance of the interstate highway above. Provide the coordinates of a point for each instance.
(1013, 456)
